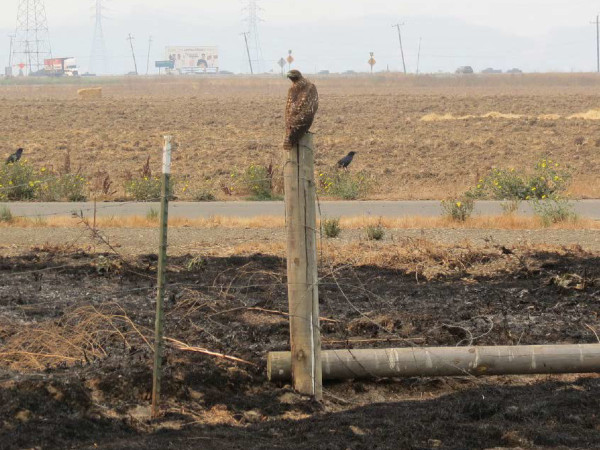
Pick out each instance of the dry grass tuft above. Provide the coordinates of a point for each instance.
(499, 115)
(433, 117)
(423, 258)
(549, 116)
(502, 222)
(82, 334)
(592, 114)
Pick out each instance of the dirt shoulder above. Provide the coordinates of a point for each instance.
(214, 240)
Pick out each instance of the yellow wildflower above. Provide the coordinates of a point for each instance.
(459, 204)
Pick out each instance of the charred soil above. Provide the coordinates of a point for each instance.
(75, 329)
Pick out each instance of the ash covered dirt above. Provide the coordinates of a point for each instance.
(94, 312)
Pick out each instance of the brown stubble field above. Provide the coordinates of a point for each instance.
(226, 124)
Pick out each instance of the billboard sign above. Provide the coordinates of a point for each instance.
(204, 59)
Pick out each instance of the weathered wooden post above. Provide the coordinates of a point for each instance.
(162, 263)
(303, 290)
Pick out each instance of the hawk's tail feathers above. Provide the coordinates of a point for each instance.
(288, 144)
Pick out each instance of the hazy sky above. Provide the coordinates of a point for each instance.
(524, 17)
(336, 34)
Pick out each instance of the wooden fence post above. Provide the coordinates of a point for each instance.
(162, 263)
(303, 290)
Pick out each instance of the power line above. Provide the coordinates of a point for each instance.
(398, 25)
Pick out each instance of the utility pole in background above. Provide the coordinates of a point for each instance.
(419, 56)
(12, 38)
(130, 39)
(148, 60)
(248, 52)
(398, 25)
(597, 23)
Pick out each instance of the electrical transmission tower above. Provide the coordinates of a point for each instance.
(98, 57)
(252, 10)
(32, 41)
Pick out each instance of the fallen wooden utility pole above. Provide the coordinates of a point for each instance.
(446, 361)
(303, 289)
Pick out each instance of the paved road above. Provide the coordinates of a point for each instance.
(585, 208)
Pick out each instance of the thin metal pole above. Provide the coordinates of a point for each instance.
(598, 42)
(148, 60)
(10, 54)
(419, 56)
(161, 278)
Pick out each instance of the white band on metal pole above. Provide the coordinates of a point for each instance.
(166, 168)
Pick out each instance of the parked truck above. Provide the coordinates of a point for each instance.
(61, 67)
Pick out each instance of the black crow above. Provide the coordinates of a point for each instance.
(346, 160)
(15, 156)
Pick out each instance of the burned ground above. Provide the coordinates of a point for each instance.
(75, 328)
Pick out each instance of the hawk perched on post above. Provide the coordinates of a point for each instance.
(302, 105)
